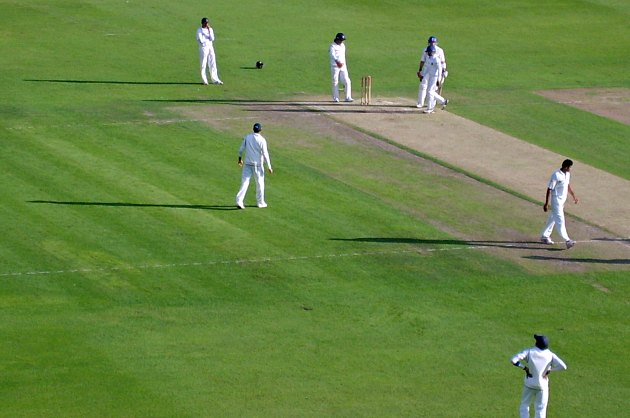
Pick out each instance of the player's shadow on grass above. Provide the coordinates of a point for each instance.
(523, 245)
(581, 260)
(136, 205)
(150, 83)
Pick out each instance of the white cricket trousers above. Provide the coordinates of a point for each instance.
(429, 84)
(258, 172)
(208, 62)
(340, 73)
(556, 217)
(540, 398)
(422, 92)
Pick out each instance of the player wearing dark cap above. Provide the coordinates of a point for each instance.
(537, 362)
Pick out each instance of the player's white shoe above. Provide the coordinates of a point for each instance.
(546, 240)
(570, 244)
(262, 205)
(444, 104)
(349, 100)
(335, 99)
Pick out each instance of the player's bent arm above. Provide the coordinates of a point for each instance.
(557, 364)
(517, 358)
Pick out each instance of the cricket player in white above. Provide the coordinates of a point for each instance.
(558, 188)
(429, 76)
(254, 146)
(539, 362)
(339, 68)
(205, 38)
(439, 54)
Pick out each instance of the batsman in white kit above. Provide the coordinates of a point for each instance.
(431, 74)
(439, 55)
(254, 146)
(339, 68)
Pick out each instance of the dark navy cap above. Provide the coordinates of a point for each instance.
(542, 341)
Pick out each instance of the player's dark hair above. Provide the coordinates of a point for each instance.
(567, 163)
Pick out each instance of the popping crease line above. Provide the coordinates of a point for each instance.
(233, 262)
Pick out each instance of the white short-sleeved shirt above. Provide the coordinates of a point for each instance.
(539, 362)
(337, 53)
(559, 185)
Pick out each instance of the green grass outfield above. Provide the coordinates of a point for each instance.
(130, 287)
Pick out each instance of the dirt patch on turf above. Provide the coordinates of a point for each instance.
(441, 140)
(610, 103)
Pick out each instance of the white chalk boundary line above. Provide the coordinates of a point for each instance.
(287, 258)
(126, 123)
(236, 261)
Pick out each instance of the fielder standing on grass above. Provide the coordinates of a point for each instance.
(254, 146)
(538, 361)
(339, 68)
(439, 54)
(557, 190)
(205, 38)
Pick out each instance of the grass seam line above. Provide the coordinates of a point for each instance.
(236, 261)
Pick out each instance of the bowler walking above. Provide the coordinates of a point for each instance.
(254, 146)
(537, 362)
(557, 190)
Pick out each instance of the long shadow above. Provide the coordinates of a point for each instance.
(341, 109)
(581, 260)
(298, 106)
(136, 205)
(524, 245)
(150, 83)
(253, 102)
(612, 239)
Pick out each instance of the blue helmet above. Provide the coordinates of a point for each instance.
(432, 40)
(257, 127)
(431, 49)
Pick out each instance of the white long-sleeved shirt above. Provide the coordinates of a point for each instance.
(559, 185)
(539, 362)
(337, 54)
(254, 146)
(205, 36)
